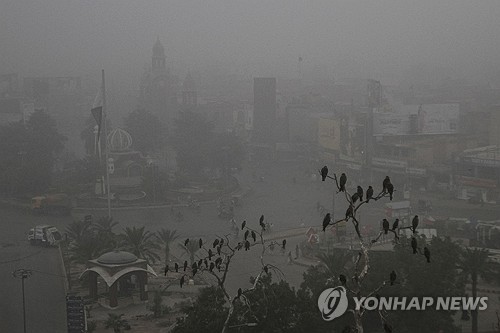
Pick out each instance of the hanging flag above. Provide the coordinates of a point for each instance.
(97, 113)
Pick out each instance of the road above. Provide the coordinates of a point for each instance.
(284, 203)
(44, 289)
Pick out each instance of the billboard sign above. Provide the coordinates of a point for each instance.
(418, 119)
(328, 134)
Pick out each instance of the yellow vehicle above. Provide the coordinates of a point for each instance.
(51, 203)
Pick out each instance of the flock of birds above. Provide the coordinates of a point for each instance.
(216, 252)
(387, 188)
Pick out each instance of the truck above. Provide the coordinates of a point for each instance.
(51, 203)
(45, 235)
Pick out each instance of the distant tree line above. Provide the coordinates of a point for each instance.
(29, 152)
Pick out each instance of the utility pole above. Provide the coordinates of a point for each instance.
(22, 274)
(104, 114)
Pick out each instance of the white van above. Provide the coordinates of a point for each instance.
(46, 235)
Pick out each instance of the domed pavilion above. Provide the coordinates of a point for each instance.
(126, 165)
(122, 272)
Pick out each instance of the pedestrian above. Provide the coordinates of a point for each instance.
(290, 260)
(297, 251)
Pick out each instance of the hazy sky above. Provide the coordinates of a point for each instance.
(255, 37)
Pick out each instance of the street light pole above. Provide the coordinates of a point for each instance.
(104, 114)
(23, 274)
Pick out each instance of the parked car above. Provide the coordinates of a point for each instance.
(45, 235)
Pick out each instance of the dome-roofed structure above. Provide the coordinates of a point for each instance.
(119, 140)
(122, 273)
(117, 258)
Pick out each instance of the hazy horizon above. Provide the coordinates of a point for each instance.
(252, 38)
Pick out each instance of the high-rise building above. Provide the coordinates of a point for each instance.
(264, 114)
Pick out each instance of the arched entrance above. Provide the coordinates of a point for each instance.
(120, 271)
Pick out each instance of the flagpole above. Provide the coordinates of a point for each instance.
(104, 111)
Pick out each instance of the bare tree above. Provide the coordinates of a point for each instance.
(362, 261)
(216, 262)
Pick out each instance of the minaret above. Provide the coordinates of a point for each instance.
(158, 62)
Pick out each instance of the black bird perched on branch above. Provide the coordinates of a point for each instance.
(246, 234)
(166, 270)
(215, 243)
(355, 197)
(414, 223)
(247, 245)
(243, 225)
(390, 189)
(283, 243)
(343, 181)
(385, 226)
(392, 277)
(369, 193)
(326, 221)
(427, 254)
(414, 245)
(200, 262)
(395, 224)
(349, 212)
(360, 192)
(342, 279)
(254, 236)
(182, 281)
(200, 242)
(176, 267)
(194, 268)
(186, 242)
(218, 262)
(385, 183)
(210, 254)
(185, 265)
(324, 173)
(261, 222)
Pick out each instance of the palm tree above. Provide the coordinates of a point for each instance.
(140, 242)
(335, 262)
(105, 225)
(116, 322)
(104, 231)
(474, 263)
(191, 248)
(76, 230)
(166, 237)
(88, 247)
